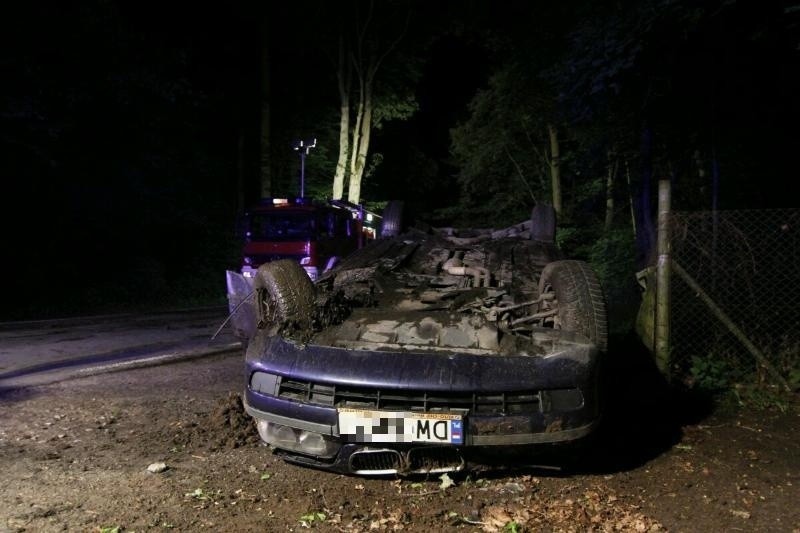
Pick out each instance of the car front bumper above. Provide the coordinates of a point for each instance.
(506, 402)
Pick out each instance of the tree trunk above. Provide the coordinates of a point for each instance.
(264, 148)
(613, 167)
(357, 172)
(630, 198)
(555, 168)
(344, 77)
(645, 236)
(714, 215)
(240, 196)
(365, 72)
(356, 134)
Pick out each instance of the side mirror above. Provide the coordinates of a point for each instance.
(543, 223)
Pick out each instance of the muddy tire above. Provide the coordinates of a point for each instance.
(392, 222)
(284, 295)
(578, 298)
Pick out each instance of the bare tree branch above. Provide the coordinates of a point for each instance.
(520, 173)
(391, 46)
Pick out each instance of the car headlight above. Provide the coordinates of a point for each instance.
(296, 440)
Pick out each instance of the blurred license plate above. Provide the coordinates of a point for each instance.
(363, 425)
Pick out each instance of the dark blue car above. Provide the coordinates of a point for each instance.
(423, 352)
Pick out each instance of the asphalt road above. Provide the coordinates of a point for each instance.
(46, 351)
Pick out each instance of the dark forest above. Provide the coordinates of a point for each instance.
(133, 133)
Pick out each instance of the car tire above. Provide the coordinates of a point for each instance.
(392, 222)
(284, 295)
(579, 299)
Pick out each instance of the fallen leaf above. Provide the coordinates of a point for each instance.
(446, 483)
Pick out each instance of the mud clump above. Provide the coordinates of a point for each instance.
(229, 426)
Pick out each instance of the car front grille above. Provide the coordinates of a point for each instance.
(375, 461)
(494, 403)
(434, 459)
(421, 460)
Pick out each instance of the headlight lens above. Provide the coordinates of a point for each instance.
(297, 440)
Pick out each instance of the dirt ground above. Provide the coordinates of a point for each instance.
(74, 456)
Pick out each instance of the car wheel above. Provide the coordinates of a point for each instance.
(577, 299)
(392, 222)
(284, 295)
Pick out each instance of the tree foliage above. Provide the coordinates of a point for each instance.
(95, 142)
(654, 89)
(500, 150)
(369, 45)
(639, 91)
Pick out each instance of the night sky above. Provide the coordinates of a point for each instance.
(129, 130)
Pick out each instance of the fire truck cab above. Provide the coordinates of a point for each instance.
(315, 234)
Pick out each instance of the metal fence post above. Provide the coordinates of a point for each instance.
(662, 341)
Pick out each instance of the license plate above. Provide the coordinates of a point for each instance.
(363, 425)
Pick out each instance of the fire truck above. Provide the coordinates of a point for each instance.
(316, 234)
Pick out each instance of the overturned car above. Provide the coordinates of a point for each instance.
(424, 351)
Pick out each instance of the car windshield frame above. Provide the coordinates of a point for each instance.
(281, 226)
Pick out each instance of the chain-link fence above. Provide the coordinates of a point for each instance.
(736, 294)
